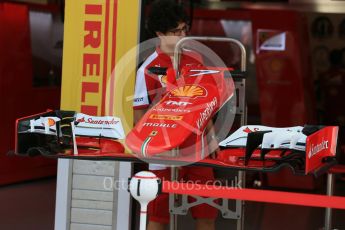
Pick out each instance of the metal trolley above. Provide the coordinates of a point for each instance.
(241, 110)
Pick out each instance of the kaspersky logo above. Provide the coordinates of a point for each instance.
(315, 149)
(191, 91)
(205, 115)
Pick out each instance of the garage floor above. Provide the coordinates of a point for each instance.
(28, 206)
(31, 206)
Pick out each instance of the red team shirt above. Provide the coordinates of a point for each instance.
(148, 86)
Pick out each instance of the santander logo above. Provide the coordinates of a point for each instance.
(90, 120)
(81, 119)
(315, 149)
(248, 130)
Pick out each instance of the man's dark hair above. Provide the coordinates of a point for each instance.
(165, 15)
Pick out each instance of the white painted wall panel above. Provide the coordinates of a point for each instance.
(75, 226)
(90, 216)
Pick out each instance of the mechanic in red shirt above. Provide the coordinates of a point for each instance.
(169, 23)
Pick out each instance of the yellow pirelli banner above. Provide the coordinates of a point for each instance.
(97, 34)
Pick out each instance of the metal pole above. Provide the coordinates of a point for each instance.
(328, 211)
(176, 64)
(143, 216)
(178, 48)
(242, 174)
(174, 177)
(242, 179)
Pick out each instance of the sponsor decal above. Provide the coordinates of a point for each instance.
(43, 121)
(191, 91)
(319, 145)
(178, 103)
(51, 122)
(90, 120)
(177, 110)
(145, 145)
(271, 40)
(315, 149)
(248, 130)
(153, 133)
(147, 141)
(210, 107)
(80, 120)
(139, 99)
(95, 126)
(163, 80)
(159, 125)
(166, 117)
(203, 72)
(92, 56)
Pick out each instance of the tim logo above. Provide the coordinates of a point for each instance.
(191, 91)
(178, 103)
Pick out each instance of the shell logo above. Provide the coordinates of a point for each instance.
(163, 79)
(51, 122)
(192, 91)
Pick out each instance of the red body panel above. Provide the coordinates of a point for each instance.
(181, 116)
(320, 145)
(60, 144)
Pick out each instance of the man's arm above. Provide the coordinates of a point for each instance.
(138, 114)
(213, 145)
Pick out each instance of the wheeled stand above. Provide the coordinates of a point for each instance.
(179, 205)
